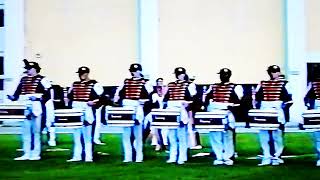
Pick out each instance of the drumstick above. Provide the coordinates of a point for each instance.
(96, 100)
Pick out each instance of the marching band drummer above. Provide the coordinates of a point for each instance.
(131, 91)
(178, 97)
(222, 96)
(272, 94)
(312, 101)
(85, 95)
(34, 90)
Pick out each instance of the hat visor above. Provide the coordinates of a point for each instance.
(275, 71)
(179, 72)
(228, 72)
(134, 70)
(82, 72)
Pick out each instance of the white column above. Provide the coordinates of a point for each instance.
(148, 33)
(296, 54)
(14, 43)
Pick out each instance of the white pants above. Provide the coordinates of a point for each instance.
(86, 131)
(164, 134)
(50, 120)
(276, 134)
(156, 135)
(178, 138)
(192, 141)
(96, 135)
(137, 144)
(278, 143)
(153, 131)
(137, 132)
(222, 141)
(32, 126)
(222, 144)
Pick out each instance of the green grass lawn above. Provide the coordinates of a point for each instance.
(53, 165)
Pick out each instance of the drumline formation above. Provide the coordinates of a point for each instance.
(171, 112)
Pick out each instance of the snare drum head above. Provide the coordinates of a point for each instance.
(166, 110)
(312, 111)
(37, 95)
(64, 111)
(13, 104)
(110, 108)
(273, 111)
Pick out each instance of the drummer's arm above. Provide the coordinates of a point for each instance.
(239, 91)
(236, 96)
(116, 97)
(207, 100)
(257, 97)
(307, 98)
(155, 98)
(47, 90)
(149, 87)
(192, 89)
(98, 89)
(188, 100)
(16, 94)
(166, 95)
(288, 87)
(287, 96)
(70, 93)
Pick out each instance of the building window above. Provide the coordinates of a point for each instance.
(1, 66)
(1, 73)
(313, 71)
(1, 18)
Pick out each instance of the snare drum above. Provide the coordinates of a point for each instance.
(264, 119)
(165, 118)
(68, 118)
(120, 116)
(12, 111)
(311, 119)
(212, 121)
